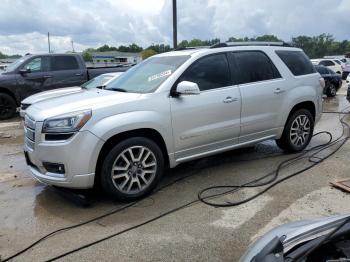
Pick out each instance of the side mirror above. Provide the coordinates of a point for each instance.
(187, 88)
(24, 71)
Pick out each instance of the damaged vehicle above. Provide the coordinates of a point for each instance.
(172, 108)
(321, 240)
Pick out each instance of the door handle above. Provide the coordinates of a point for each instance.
(278, 91)
(47, 76)
(78, 74)
(229, 100)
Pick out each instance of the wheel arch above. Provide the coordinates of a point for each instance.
(149, 133)
(11, 94)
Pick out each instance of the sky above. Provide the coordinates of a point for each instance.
(91, 23)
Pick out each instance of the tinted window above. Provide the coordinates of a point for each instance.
(322, 70)
(209, 72)
(327, 63)
(64, 63)
(255, 66)
(297, 62)
(38, 64)
(337, 61)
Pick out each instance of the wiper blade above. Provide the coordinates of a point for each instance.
(118, 89)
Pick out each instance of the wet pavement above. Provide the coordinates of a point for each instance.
(30, 210)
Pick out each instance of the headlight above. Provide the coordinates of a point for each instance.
(67, 123)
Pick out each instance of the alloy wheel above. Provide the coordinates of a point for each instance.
(300, 130)
(134, 169)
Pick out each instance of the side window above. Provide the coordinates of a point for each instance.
(64, 63)
(255, 66)
(322, 70)
(327, 63)
(209, 72)
(297, 62)
(38, 64)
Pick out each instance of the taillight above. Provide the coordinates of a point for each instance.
(322, 82)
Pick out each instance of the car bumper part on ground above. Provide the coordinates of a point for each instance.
(78, 155)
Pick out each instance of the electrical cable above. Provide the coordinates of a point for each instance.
(203, 199)
(319, 149)
(274, 179)
(119, 209)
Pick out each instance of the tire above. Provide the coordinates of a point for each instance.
(331, 91)
(131, 181)
(294, 138)
(7, 106)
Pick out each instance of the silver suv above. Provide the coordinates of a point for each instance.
(172, 108)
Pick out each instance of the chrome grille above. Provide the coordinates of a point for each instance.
(29, 131)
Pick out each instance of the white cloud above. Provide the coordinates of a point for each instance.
(25, 23)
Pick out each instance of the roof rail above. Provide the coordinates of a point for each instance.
(250, 43)
(191, 47)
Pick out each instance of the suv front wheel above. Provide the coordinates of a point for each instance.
(297, 132)
(132, 168)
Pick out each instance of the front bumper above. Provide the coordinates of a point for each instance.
(78, 154)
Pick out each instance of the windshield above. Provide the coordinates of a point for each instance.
(147, 76)
(15, 64)
(99, 81)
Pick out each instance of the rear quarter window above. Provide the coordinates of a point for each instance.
(297, 62)
(64, 63)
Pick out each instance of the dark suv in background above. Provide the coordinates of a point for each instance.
(333, 80)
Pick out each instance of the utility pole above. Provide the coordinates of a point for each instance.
(48, 41)
(72, 45)
(174, 24)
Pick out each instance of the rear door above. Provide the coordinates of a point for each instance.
(263, 90)
(38, 77)
(67, 72)
(209, 121)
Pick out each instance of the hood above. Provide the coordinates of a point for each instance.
(51, 94)
(295, 233)
(86, 99)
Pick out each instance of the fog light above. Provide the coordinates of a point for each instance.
(54, 167)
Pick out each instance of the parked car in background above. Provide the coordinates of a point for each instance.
(32, 74)
(330, 63)
(97, 82)
(304, 241)
(333, 81)
(172, 108)
(346, 71)
(348, 79)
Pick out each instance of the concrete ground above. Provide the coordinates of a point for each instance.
(30, 210)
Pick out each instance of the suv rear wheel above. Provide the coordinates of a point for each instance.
(7, 106)
(297, 132)
(132, 168)
(331, 91)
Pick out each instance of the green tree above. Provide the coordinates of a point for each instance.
(148, 53)
(87, 56)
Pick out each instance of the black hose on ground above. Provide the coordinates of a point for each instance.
(273, 181)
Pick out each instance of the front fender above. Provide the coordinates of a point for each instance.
(116, 124)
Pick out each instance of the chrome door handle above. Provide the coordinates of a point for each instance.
(229, 100)
(78, 74)
(278, 91)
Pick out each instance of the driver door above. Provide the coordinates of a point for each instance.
(208, 122)
(36, 76)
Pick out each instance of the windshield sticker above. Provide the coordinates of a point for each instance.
(159, 75)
